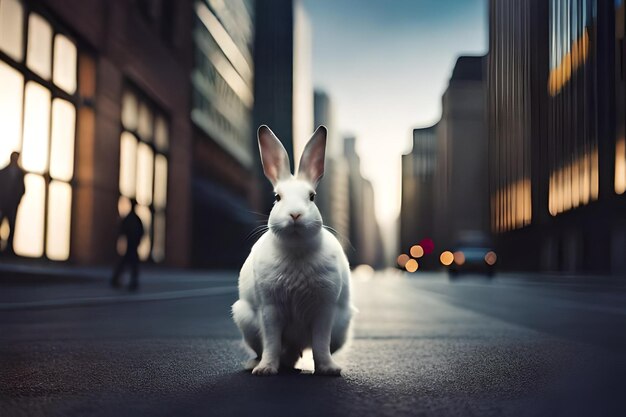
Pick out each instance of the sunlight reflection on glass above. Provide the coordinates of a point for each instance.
(59, 220)
(620, 166)
(30, 218)
(65, 63)
(160, 182)
(39, 51)
(11, 90)
(129, 111)
(36, 128)
(145, 161)
(62, 142)
(128, 161)
(11, 28)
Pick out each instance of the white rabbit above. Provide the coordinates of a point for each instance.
(294, 288)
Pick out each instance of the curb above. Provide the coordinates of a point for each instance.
(116, 299)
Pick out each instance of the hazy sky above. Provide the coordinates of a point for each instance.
(385, 65)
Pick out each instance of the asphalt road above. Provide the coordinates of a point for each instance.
(422, 346)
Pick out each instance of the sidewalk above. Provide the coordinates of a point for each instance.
(24, 286)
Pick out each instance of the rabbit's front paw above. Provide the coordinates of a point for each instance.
(329, 369)
(264, 369)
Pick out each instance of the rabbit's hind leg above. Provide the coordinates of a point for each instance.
(248, 322)
(341, 328)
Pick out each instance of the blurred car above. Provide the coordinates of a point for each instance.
(472, 253)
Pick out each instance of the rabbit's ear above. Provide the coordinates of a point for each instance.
(312, 161)
(273, 155)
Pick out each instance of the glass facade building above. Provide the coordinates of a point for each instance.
(223, 74)
(556, 164)
(39, 96)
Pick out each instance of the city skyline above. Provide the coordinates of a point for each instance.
(415, 45)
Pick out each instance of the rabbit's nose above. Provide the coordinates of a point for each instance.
(295, 216)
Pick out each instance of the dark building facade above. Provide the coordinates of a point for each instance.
(222, 81)
(461, 180)
(556, 151)
(283, 91)
(418, 193)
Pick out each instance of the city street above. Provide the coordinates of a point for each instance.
(423, 345)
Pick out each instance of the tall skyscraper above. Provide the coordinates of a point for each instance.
(364, 232)
(283, 90)
(223, 155)
(333, 191)
(461, 183)
(556, 140)
(418, 193)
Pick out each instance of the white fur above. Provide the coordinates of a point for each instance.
(294, 288)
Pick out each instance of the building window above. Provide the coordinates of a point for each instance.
(222, 78)
(38, 96)
(144, 144)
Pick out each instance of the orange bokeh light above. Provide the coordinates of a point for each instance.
(459, 258)
(402, 260)
(411, 265)
(417, 251)
(446, 258)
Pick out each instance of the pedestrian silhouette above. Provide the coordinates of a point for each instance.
(11, 191)
(132, 229)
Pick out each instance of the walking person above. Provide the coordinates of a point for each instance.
(11, 191)
(132, 229)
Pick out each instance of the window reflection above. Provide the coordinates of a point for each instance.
(11, 28)
(62, 140)
(145, 160)
(41, 129)
(160, 182)
(64, 63)
(59, 218)
(39, 51)
(128, 161)
(36, 128)
(11, 90)
(143, 170)
(30, 218)
(129, 111)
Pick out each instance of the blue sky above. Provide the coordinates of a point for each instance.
(385, 65)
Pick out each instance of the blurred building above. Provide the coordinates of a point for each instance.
(145, 100)
(333, 191)
(418, 193)
(461, 180)
(104, 88)
(364, 232)
(283, 88)
(556, 125)
(223, 154)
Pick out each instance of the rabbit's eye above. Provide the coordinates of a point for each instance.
(312, 196)
(277, 197)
